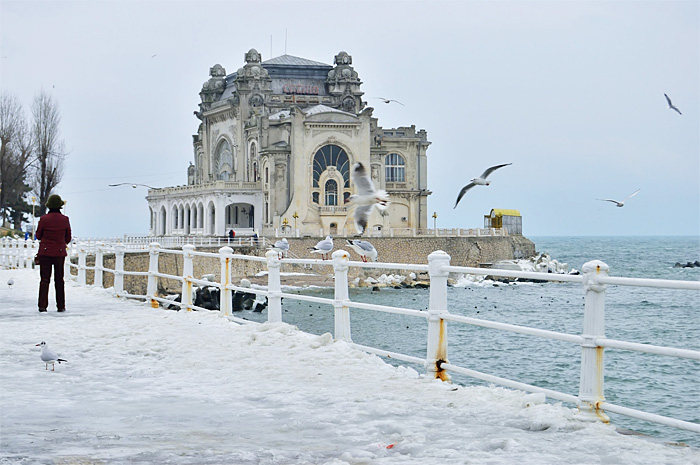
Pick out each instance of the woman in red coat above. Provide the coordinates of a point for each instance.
(54, 235)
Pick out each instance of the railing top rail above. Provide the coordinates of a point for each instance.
(514, 274)
(648, 282)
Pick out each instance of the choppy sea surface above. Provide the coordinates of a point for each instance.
(657, 384)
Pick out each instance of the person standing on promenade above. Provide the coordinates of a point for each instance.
(53, 234)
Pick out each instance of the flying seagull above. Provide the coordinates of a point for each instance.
(480, 181)
(281, 247)
(364, 249)
(388, 100)
(48, 356)
(323, 247)
(131, 184)
(621, 204)
(366, 197)
(670, 105)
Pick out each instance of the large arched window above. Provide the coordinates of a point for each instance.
(331, 175)
(331, 192)
(223, 159)
(395, 168)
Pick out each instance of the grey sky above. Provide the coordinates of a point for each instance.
(571, 93)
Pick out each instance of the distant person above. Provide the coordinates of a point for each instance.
(53, 234)
(255, 239)
(231, 234)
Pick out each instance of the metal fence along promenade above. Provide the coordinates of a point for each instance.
(594, 280)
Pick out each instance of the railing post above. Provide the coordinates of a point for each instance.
(226, 257)
(152, 285)
(99, 265)
(274, 288)
(15, 254)
(590, 393)
(119, 250)
(187, 272)
(437, 327)
(342, 311)
(66, 264)
(82, 254)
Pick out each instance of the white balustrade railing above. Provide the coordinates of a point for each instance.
(590, 398)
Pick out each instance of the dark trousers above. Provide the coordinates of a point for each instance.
(45, 266)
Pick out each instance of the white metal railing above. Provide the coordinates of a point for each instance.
(594, 279)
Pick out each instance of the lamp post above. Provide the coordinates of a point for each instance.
(284, 226)
(435, 221)
(295, 216)
(33, 219)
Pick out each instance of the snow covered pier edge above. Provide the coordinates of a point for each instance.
(594, 279)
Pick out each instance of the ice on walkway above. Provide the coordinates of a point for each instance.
(145, 386)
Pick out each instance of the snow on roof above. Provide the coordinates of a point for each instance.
(289, 60)
(323, 109)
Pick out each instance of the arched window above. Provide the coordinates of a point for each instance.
(331, 192)
(395, 168)
(223, 159)
(330, 175)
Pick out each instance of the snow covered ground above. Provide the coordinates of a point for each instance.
(152, 386)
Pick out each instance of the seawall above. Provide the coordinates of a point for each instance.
(464, 251)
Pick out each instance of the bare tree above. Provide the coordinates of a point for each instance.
(15, 159)
(48, 147)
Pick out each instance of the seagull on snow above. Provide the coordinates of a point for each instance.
(364, 249)
(480, 181)
(670, 105)
(10, 282)
(366, 197)
(388, 100)
(48, 356)
(324, 247)
(281, 247)
(621, 204)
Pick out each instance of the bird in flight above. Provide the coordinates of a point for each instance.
(366, 197)
(388, 100)
(131, 184)
(670, 105)
(622, 203)
(480, 181)
(154, 55)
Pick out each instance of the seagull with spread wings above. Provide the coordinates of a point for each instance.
(388, 100)
(366, 197)
(621, 203)
(670, 105)
(131, 184)
(480, 181)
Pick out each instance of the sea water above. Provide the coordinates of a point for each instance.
(657, 384)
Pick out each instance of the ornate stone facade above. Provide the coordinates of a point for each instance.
(274, 151)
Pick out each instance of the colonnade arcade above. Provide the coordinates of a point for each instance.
(200, 218)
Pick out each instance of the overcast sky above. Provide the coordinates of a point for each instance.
(571, 93)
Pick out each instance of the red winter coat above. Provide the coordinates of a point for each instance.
(53, 233)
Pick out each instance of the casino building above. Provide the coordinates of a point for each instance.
(273, 154)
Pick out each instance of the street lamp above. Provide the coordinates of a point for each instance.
(284, 226)
(435, 221)
(33, 218)
(295, 216)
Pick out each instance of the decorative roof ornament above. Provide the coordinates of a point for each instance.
(214, 87)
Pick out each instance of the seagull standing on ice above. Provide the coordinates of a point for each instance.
(670, 105)
(622, 203)
(364, 249)
(324, 247)
(48, 356)
(281, 247)
(10, 282)
(480, 181)
(366, 197)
